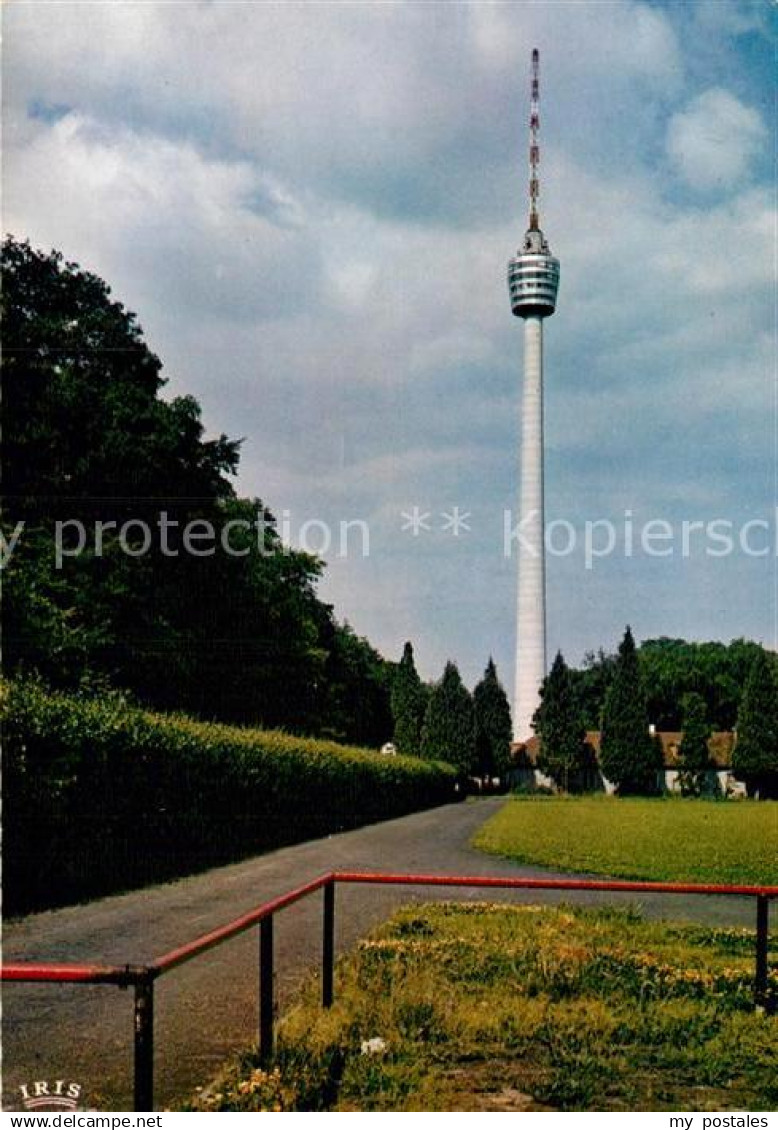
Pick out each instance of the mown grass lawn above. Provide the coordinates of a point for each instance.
(663, 839)
(500, 1007)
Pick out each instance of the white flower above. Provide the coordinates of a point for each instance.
(374, 1046)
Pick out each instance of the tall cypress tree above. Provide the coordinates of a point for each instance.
(559, 726)
(493, 729)
(408, 704)
(628, 756)
(448, 733)
(755, 756)
(695, 759)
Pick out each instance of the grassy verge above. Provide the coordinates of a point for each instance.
(664, 839)
(494, 1007)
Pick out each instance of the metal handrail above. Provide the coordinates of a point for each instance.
(636, 885)
(142, 977)
(60, 972)
(205, 942)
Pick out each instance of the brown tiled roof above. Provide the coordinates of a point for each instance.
(720, 747)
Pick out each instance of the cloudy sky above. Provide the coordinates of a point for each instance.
(310, 207)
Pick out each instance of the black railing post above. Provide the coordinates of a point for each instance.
(266, 989)
(144, 1044)
(328, 945)
(760, 981)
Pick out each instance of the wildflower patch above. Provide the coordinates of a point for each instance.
(483, 1006)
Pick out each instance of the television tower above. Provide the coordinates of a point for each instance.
(533, 281)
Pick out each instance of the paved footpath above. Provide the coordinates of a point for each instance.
(207, 1009)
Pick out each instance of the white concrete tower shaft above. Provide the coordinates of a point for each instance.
(533, 283)
(531, 603)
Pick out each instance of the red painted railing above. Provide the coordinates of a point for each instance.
(86, 974)
(142, 977)
(552, 884)
(245, 922)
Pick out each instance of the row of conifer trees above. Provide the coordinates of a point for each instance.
(473, 731)
(630, 756)
(446, 722)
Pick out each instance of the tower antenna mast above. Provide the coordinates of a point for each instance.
(534, 143)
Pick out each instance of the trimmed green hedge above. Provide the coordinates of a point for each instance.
(101, 796)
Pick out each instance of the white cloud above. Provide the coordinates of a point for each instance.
(162, 221)
(311, 207)
(405, 108)
(714, 141)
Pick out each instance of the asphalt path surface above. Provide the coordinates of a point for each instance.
(207, 1009)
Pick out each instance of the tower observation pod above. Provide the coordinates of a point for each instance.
(533, 282)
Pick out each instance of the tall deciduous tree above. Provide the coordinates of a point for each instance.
(755, 756)
(409, 702)
(493, 729)
(448, 733)
(87, 437)
(591, 683)
(628, 756)
(355, 704)
(672, 668)
(563, 754)
(694, 755)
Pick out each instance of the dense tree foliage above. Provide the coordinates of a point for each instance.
(694, 755)
(672, 668)
(493, 729)
(628, 756)
(409, 703)
(448, 733)
(563, 751)
(693, 752)
(755, 756)
(591, 682)
(354, 702)
(717, 671)
(182, 622)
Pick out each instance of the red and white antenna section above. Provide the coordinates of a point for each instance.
(534, 144)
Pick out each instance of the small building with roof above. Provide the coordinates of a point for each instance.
(719, 778)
